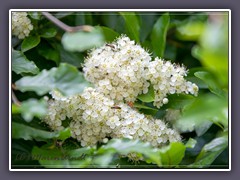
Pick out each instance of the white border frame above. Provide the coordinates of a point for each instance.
(123, 10)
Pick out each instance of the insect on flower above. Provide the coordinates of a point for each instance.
(130, 103)
(111, 46)
(115, 107)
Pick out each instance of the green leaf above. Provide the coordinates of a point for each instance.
(22, 131)
(33, 107)
(213, 48)
(48, 32)
(104, 160)
(147, 21)
(20, 64)
(66, 78)
(159, 34)
(191, 143)
(109, 34)
(48, 52)
(80, 152)
(126, 146)
(212, 82)
(64, 134)
(132, 25)
(179, 101)
(73, 58)
(190, 31)
(149, 96)
(200, 115)
(35, 15)
(172, 154)
(29, 43)
(210, 152)
(142, 106)
(81, 40)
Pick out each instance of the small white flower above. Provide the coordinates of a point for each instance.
(165, 100)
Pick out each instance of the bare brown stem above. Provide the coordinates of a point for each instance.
(15, 100)
(64, 26)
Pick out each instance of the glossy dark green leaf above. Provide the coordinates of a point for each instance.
(48, 32)
(81, 40)
(29, 43)
(33, 107)
(48, 52)
(132, 25)
(22, 131)
(210, 152)
(20, 64)
(179, 101)
(159, 35)
(142, 106)
(109, 34)
(147, 21)
(66, 78)
(73, 58)
(114, 21)
(172, 154)
(148, 97)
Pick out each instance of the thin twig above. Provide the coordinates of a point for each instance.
(64, 26)
(15, 100)
(14, 87)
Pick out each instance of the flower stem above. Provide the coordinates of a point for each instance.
(64, 26)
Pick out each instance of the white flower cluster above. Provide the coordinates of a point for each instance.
(118, 69)
(95, 117)
(168, 78)
(123, 70)
(21, 24)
